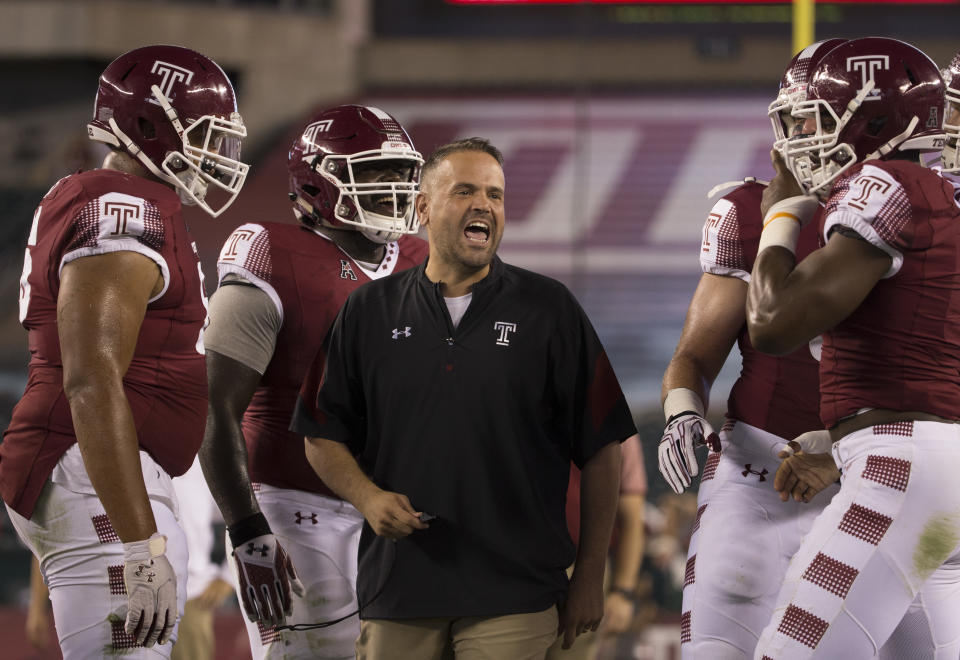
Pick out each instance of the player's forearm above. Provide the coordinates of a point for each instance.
(339, 470)
(599, 489)
(774, 311)
(108, 443)
(628, 551)
(686, 371)
(223, 459)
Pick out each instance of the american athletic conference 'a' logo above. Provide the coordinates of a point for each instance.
(170, 74)
(122, 213)
(346, 271)
(868, 65)
(868, 185)
(310, 133)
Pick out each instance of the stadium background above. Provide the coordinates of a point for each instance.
(615, 118)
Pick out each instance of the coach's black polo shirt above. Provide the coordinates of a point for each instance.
(476, 425)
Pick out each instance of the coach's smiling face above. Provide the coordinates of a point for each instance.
(461, 205)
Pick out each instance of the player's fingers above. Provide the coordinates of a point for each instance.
(296, 586)
(669, 470)
(777, 159)
(170, 618)
(689, 457)
(156, 627)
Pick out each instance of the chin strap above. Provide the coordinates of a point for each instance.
(895, 141)
(137, 153)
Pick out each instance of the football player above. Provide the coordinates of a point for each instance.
(730, 585)
(353, 177)
(115, 405)
(883, 292)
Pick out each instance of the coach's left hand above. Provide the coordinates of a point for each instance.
(583, 610)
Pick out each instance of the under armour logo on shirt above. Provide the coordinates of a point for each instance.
(251, 548)
(401, 333)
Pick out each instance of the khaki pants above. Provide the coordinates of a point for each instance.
(195, 639)
(510, 637)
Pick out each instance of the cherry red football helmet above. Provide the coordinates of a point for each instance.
(324, 162)
(872, 99)
(793, 86)
(175, 111)
(950, 156)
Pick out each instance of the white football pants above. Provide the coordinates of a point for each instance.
(741, 546)
(81, 559)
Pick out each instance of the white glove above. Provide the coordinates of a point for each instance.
(266, 576)
(678, 462)
(151, 591)
(811, 442)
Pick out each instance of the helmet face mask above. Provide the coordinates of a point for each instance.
(210, 157)
(175, 112)
(377, 206)
(818, 159)
(353, 167)
(793, 89)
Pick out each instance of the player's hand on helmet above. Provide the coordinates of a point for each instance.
(266, 577)
(684, 432)
(151, 591)
(783, 186)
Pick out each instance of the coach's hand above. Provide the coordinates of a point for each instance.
(265, 579)
(390, 514)
(678, 462)
(583, 610)
(803, 475)
(151, 591)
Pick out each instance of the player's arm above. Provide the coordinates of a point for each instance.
(713, 322)
(100, 307)
(223, 454)
(389, 514)
(243, 322)
(788, 303)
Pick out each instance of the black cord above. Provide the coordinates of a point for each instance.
(299, 627)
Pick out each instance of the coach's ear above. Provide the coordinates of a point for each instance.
(422, 205)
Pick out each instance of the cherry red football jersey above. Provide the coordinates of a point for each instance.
(900, 349)
(83, 215)
(307, 277)
(776, 394)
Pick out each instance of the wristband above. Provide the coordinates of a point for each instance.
(629, 594)
(249, 528)
(681, 400)
(782, 223)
